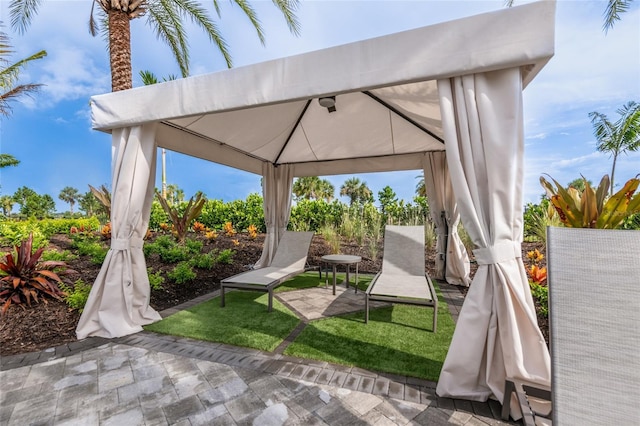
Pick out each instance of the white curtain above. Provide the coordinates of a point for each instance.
(452, 261)
(497, 334)
(118, 304)
(277, 183)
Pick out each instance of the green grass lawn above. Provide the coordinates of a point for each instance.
(398, 339)
(243, 322)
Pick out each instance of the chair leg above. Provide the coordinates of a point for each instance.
(366, 309)
(222, 296)
(270, 300)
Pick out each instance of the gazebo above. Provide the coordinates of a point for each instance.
(446, 99)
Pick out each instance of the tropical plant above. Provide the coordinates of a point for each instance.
(313, 188)
(421, 189)
(155, 279)
(7, 160)
(356, 191)
(619, 137)
(38, 206)
(69, 195)
(26, 279)
(88, 203)
(182, 221)
(9, 76)
(592, 208)
(182, 273)
(104, 197)
(6, 204)
(166, 18)
(76, 296)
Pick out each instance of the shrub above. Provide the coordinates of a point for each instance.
(61, 256)
(226, 256)
(541, 294)
(89, 246)
(174, 254)
(193, 246)
(14, 233)
(155, 279)
(25, 278)
(203, 261)
(76, 295)
(182, 220)
(182, 273)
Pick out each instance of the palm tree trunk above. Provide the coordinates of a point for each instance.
(120, 50)
(613, 171)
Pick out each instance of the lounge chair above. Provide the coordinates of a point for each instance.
(289, 260)
(403, 278)
(593, 278)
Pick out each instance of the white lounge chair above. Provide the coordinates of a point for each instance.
(594, 286)
(403, 278)
(289, 260)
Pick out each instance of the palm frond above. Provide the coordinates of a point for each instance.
(288, 8)
(613, 11)
(164, 18)
(21, 13)
(248, 10)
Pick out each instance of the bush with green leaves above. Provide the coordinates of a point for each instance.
(156, 280)
(61, 256)
(76, 295)
(541, 294)
(203, 260)
(182, 273)
(225, 256)
(90, 245)
(193, 246)
(241, 213)
(158, 216)
(14, 233)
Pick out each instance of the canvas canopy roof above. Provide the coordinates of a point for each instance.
(385, 88)
(446, 99)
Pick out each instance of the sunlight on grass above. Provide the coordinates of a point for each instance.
(243, 322)
(397, 340)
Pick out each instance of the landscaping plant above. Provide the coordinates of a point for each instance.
(26, 279)
(181, 221)
(591, 208)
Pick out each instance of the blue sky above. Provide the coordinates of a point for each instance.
(52, 137)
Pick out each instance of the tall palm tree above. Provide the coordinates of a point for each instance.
(7, 160)
(619, 137)
(313, 188)
(421, 189)
(357, 191)
(166, 17)
(9, 74)
(69, 195)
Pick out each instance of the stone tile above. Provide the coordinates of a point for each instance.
(270, 390)
(366, 384)
(210, 416)
(325, 376)
(130, 417)
(360, 402)
(400, 412)
(244, 405)
(274, 415)
(446, 403)
(13, 379)
(352, 381)
(338, 378)
(396, 390)
(45, 372)
(12, 397)
(381, 386)
(40, 408)
(298, 371)
(183, 409)
(337, 414)
(287, 368)
(114, 379)
(412, 393)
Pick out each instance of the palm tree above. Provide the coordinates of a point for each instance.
(313, 188)
(104, 197)
(619, 137)
(356, 191)
(6, 203)
(69, 195)
(421, 189)
(7, 160)
(165, 17)
(9, 74)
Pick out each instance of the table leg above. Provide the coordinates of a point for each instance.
(326, 274)
(334, 279)
(347, 266)
(356, 277)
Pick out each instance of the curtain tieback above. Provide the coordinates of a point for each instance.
(501, 252)
(126, 243)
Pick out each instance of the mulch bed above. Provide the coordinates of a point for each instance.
(52, 323)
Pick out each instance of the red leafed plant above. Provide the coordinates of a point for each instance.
(24, 278)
